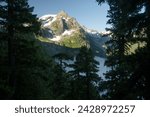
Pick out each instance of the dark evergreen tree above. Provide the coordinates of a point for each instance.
(130, 25)
(16, 20)
(33, 69)
(139, 21)
(59, 83)
(85, 75)
(62, 59)
(117, 51)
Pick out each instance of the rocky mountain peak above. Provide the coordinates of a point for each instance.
(62, 14)
(57, 24)
(66, 31)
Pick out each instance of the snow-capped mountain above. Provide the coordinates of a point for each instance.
(56, 26)
(64, 30)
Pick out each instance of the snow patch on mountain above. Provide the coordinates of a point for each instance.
(57, 38)
(47, 20)
(44, 17)
(91, 31)
(67, 19)
(105, 32)
(68, 32)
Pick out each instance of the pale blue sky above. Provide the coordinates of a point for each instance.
(87, 12)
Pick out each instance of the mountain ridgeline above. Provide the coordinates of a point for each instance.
(62, 33)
